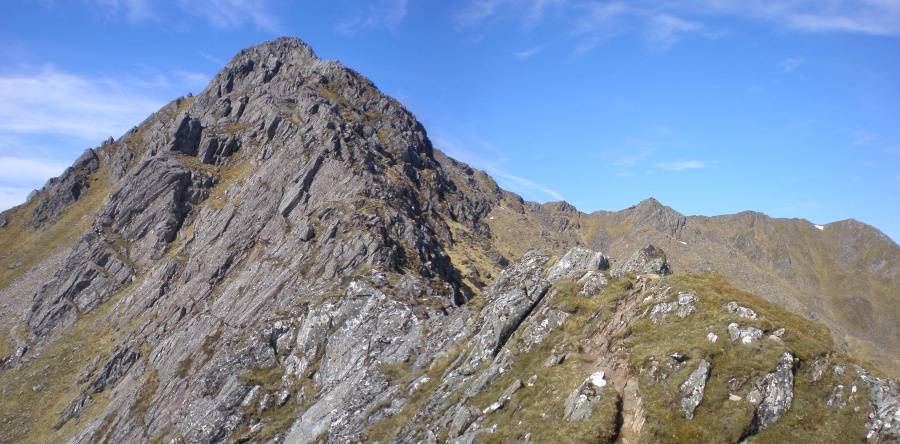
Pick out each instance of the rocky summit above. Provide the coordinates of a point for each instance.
(286, 258)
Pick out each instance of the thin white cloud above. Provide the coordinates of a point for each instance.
(477, 12)
(879, 17)
(528, 53)
(225, 14)
(217, 61)
(792, 63)
(131, 10)
(55, 102)
(666, 29)
(387, 14)
(681, 165)
(530, 12)
(525, 187)
(12, 196)
(522, 186)
(19, 176)
(228, 14)
(665, 22)
(196, 81)
(20, 169)
(861, 137)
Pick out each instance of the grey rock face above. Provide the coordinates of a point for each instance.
(64, 190)
(581, 401)
(692, 389)
(578, 259)
(510, 298)
(777, 393)
(649, 259)
(540, 327)
(464, 417)
(883, 424)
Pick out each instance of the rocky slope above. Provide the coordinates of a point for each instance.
(286, 258)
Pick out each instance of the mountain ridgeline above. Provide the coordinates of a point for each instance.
(286, 258)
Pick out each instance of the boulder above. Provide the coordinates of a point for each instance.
(683, 306)
(463, 418)
(578, 259)
(777, 390)
(746, 334)
(592, 283)
(737, 310)
(692, 389)
(649, 259)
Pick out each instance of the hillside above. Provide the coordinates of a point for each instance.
(285, 257)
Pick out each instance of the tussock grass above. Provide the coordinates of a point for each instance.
(718, 419)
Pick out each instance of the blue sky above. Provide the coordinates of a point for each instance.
(788, 107)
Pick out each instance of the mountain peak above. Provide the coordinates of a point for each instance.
(650, 212)
(283, 258)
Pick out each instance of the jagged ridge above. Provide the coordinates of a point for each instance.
(286, 252)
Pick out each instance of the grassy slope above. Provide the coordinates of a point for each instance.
(537, 411)
(846, 276)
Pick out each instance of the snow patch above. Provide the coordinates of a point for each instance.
(597, 379)
(821, 227)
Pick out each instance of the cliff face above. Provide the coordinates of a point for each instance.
(286, 258)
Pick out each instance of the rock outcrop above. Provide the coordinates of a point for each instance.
(777, 393)
(649, 259)
(581, 401)
(692, 389)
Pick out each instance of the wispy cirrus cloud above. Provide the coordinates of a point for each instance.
(19, 176)
(530, 12)
(55, 102)
(21, 169)
(387, 14)
(520, 185)
(666, 29)
(681, 165)
(223, 14)
(130, 10)
(792, 63)
(879, 17)
(196, 81)
(528, 53)
(232, 13)
(517, 184)
(664, 22)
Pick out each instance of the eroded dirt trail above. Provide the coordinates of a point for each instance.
(606, 346)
